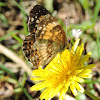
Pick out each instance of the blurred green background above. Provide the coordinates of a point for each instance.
(15, 70)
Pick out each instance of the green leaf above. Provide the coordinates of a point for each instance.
(8, 71)
(96, 11)
(3, 4)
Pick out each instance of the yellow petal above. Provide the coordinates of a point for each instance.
(38, 78)
(39, 72)
(86, 71)
(52, 92)
(77, 79)
(73, 89)
(45, 93)
(62, 93)
(39, 86)
(75, 45)
(79, 50)
(79, 87)
(85, 58)
(89, 66)
(86, 75)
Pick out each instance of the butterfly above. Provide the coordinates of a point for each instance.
(46, 37)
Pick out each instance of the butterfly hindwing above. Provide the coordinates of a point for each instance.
(42, 52)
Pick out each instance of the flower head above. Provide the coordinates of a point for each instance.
(65, 70)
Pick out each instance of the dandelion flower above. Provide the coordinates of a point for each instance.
(65, 71)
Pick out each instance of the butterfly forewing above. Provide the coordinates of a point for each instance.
(36, 14)
(50, 29)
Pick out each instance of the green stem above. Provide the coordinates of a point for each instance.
(91, 95)
(26, 93)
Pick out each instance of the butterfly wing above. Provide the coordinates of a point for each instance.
(36, 14)
(49, 37)
(27, 45)
(49, 29)
(42, 52)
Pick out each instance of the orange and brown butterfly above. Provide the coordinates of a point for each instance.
(46, 37)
